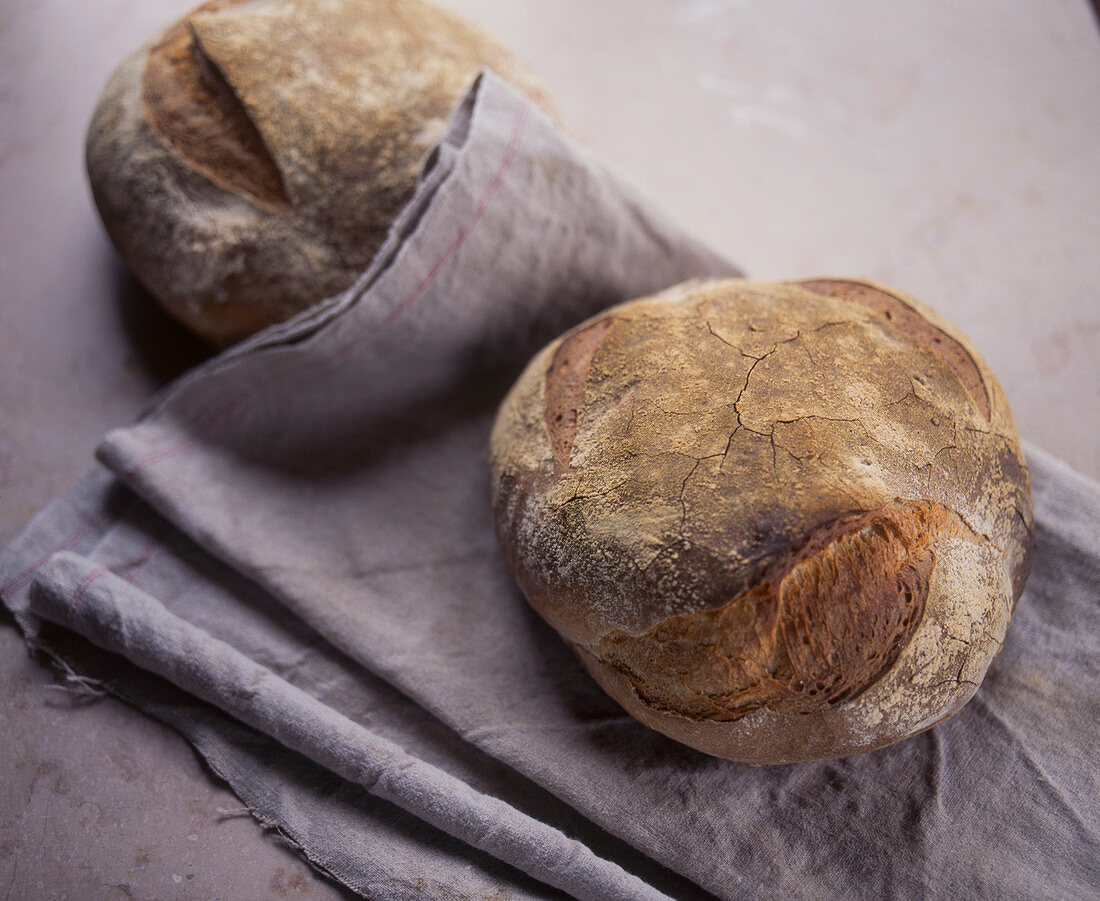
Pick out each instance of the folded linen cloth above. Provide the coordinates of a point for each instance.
(296, 540)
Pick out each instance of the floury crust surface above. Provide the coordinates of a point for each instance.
(776, 521)
(243, 184)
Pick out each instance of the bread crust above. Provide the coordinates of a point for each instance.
(776, 521)
(242, 185)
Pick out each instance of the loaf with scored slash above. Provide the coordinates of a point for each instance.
(250, 161)
(775, 521)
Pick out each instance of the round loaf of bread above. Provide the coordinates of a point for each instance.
(775, 521)
(249, 161)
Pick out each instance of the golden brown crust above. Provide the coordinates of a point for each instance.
(243, 185)
(724, 448)
(821, 626)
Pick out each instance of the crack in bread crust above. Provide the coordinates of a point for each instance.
(821, 626)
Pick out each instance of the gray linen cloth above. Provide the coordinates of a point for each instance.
(290, 559)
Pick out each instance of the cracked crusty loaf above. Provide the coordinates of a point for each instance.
(250, 160)
(775, 521)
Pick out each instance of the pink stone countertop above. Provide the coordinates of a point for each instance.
(949, 149)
